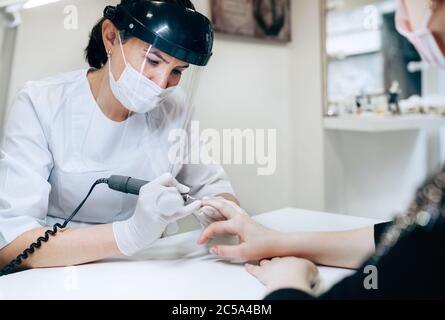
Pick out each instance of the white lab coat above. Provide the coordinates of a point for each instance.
(58, 142)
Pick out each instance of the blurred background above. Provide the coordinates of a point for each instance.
(359, 117)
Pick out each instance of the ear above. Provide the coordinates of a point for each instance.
(109, 34)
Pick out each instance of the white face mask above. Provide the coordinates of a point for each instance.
(134, 91)
(423, 39)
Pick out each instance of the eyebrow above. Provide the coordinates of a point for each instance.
(157, 54)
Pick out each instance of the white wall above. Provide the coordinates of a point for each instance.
(374, 175)
(2, 80)
(306, 82)
(248, 84)
(7, 41)
(433, 81)
(2, 26)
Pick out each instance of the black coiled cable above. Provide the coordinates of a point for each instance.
(12, 266)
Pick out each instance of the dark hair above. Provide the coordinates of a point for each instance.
(95, 52)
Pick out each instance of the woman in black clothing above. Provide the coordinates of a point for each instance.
(407, 255)
(409, 259)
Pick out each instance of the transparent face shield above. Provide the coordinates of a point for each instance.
(142, 87)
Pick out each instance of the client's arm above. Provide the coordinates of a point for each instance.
(346, 249)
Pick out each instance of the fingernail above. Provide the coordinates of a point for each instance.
(214, 251)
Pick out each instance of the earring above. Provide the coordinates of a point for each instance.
(109, 53)
(433, 4)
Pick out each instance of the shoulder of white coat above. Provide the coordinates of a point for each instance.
(62, 79)
(48, 95)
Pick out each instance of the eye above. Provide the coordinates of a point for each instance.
(153, 62)
(177, 72)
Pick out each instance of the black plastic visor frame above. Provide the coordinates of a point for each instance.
(188, 36)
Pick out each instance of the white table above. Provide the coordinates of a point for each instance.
(175, 268)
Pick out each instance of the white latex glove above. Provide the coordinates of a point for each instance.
(208, 215)
(160, 203)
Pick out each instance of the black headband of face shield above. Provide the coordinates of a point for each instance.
(178, 31)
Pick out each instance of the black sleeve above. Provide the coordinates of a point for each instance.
(379, 229)
(289, 294)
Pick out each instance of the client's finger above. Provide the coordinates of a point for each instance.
(227, 208)
(253, 270)
(227, 251)
(217, 228)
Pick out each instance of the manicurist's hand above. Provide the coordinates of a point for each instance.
(256, 241)
(286, 273)
(160, 203)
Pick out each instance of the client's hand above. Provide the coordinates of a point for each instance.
(286, 273)
(256, 241)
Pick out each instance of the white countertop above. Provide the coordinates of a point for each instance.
(175, 268)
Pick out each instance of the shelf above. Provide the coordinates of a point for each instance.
(376, 123)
